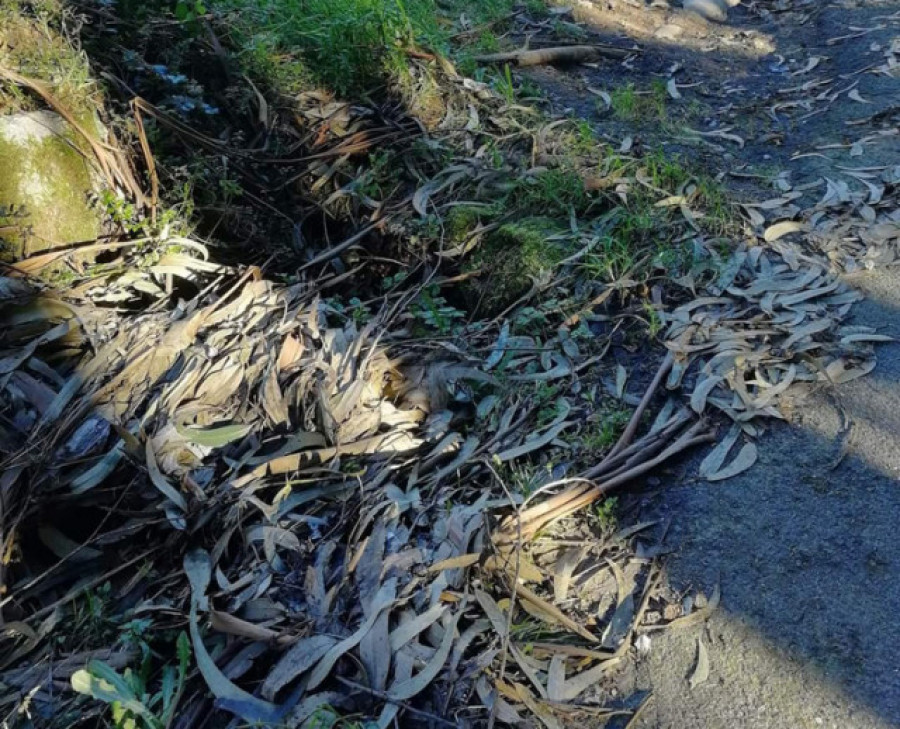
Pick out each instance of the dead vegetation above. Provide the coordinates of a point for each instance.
(230, 493)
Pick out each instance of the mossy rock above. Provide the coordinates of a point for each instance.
(511, 258)
(45, 188)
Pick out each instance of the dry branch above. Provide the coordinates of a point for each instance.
(557, 54)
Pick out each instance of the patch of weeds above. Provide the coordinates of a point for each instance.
(719, 214)
(654, 320)
(327, 717)
(527, 319)
(666, 171)
(188, 11)
(528, 89)
(389, 282)
(35, 46)
(381, 176)
(606, 513)
(133, 704)
(610, 259)
(230, 190)
(537, 8)
(433, 314)
(347, 45)
(504, 86)
(555, 192)
(548, 407)
(353, 309)
(527, 630)
(628, 104)
(351, 46)
(169, 220)
(91, 619)
(569, 31)
(583, 142)
(706, 196)
(612, 423)
(485, 42)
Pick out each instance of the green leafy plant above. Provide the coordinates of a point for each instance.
(503, 85)
(654, 320)
(189, 10)
(612, 424)
(432, 310)
(605, 512)
(131, 704)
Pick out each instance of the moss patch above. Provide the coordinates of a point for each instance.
(46, 183)
(511, 258)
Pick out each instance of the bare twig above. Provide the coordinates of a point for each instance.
(148, 158)
(402, 704)
(558, 54)
(635, 421)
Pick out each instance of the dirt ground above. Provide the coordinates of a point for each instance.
(803, 545)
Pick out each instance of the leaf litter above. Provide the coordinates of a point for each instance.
(355, 534)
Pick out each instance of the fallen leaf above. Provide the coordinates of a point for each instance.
(672, 89)
(701, 666)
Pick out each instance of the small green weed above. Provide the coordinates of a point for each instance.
(188, 11)
(606, 513)
(327, 717)
(610, 259)
(131, 703)
(654, 320)
(612, 424)
(432, 311)
(548, 408)
(503, 85)
(555, 192)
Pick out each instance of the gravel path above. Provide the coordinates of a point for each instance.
(804, 545)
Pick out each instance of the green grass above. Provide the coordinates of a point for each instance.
(31, 42)
(706, 196)
(553, 192)
(629, 104)
(351, 46)
(345, 45)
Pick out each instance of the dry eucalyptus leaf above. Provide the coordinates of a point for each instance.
(701, 665)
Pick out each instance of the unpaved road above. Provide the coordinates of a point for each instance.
(805, 544)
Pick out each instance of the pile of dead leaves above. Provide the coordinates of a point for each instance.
(315, 503)
(333, 511)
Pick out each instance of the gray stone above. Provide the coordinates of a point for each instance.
(668, 32)
(46, 186)
(715, 10)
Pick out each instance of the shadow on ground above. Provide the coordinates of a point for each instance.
(804, 547)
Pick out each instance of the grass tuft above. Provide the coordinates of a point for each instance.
(629, 104)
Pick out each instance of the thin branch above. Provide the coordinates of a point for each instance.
(402, 704)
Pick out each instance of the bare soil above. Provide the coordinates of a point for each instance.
(803, 545)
